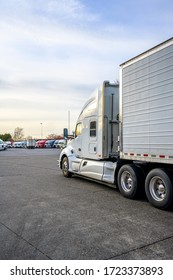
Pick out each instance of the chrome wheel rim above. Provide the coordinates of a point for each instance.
(126, 181)
(157, 188)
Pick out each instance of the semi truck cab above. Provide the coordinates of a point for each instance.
(96, 137)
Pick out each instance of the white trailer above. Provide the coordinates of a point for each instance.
(30, 144)
(124, 134)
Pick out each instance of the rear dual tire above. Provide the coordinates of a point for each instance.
(159, 189)
(158, 185)
(130, 181)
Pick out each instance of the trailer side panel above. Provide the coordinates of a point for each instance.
(147, 106)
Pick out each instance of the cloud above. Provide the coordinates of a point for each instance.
(54, 53)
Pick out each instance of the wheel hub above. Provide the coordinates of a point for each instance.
(126, 181)
(157, 188)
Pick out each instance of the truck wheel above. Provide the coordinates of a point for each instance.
(65, 167)
(158, 188)
(129, 180)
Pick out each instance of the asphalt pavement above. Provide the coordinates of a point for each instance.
(46, 216)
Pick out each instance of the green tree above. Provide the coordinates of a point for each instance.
(6, 137)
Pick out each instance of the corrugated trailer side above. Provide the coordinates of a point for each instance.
(146, 105)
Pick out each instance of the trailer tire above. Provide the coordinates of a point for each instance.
(129, 179)
(65, 167)
(159, 189)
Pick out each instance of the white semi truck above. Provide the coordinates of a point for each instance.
(124, 133)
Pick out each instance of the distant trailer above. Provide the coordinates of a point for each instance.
(30, 144)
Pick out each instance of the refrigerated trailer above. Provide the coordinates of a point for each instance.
(124, 133)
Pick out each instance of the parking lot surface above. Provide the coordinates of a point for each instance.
(46, 216)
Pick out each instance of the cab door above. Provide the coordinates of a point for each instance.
(78, 140)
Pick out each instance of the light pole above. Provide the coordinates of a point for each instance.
(41, 130)
(68, 122)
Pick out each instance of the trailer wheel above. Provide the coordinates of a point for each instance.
(159, 189)
(65, 166)
(129, 179)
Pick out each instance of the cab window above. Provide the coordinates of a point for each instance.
(78, 130)
(93, 129)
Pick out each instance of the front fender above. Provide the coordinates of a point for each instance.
(66, 152)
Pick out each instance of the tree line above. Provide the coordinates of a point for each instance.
(18, 135)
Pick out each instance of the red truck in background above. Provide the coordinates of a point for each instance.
(40, 143)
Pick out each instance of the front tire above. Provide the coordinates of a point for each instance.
(159, 189)
(65, 168)
(129, 180)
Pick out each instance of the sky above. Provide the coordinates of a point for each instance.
(54, 53)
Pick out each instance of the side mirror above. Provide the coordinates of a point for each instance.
(65, 133)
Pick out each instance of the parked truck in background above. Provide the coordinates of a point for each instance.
(124, 133)
(49, 144)
(40, 144)
(30, 143)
